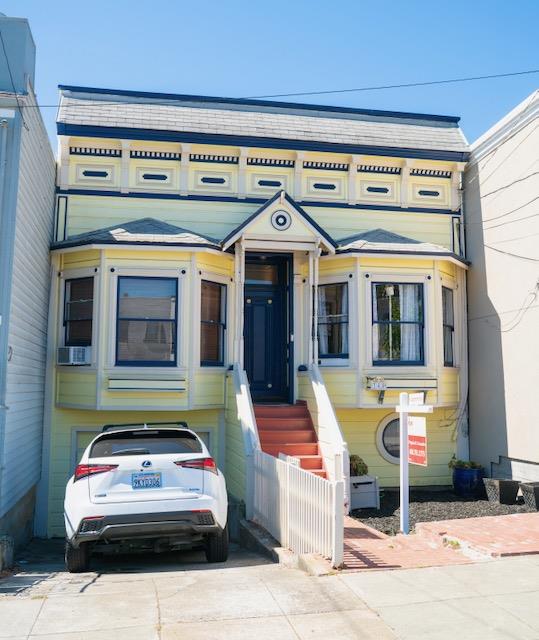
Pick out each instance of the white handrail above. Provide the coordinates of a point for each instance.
(301, 510)
(332, 444)
(247, 420)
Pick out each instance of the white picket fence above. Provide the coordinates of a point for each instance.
(304, 512)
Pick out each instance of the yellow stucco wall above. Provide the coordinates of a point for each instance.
(359, 427)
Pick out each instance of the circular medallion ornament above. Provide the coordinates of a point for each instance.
(281, 220)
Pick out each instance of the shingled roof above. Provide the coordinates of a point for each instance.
(382, 241)
(146, 231)
(302, 125)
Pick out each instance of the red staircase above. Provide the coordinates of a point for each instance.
(288, 428)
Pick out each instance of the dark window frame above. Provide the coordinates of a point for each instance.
(147, 363)
(335, 356)
(221, 323)
(421, 323)
(66, 321)
(451, 327)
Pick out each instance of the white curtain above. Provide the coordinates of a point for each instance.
(375, 327)
(410, 333)
(322, 328)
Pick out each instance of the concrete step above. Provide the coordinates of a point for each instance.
(283, 423)
(310, 462)
(287, 437)
(295, 449)
(279, 410)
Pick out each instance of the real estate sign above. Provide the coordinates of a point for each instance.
(417, 440)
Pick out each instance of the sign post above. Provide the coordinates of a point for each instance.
(412, 403)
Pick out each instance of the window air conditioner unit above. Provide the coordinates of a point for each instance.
(74, 355)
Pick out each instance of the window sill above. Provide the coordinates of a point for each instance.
(340, 363)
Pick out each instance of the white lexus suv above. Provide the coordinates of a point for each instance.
(153, 487)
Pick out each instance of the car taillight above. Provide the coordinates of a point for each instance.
(203, 464)
(85, 470)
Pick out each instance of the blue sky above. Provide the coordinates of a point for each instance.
(249, 48)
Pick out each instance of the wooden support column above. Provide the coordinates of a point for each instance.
(184, 169)
(309, 315)
(456, 176)
(316, 264)
(124, 173)
(355, 161)
(405, 174)
(242, 172)
(63, 174)
(239, 276)
(298, 173)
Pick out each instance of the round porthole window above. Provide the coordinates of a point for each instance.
(387, 439)
(281, 220)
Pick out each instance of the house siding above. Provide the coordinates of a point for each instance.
(28, 311)
(501, 192)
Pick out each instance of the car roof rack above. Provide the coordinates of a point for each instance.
(145, 425)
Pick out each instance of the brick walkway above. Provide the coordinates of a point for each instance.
(368, 549)
(495, 536)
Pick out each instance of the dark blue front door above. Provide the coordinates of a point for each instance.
(266, 326)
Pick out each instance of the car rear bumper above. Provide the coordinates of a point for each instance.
(146, 525)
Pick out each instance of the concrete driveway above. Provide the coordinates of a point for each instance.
(178, 596)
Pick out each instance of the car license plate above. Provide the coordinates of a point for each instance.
(146, 480)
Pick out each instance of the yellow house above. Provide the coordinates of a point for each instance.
(231, 262)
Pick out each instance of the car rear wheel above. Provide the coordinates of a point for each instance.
(77, 559)
(217, 546)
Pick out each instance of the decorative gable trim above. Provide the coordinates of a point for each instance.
(205, 157)
(434, 173)
(284, 197)
(94, 151)
(156, 155)
(270, 162)
(370, 168)
(326, 166)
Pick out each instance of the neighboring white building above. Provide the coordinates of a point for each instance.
(27, 173)
(502, 232)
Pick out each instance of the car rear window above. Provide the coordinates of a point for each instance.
(145, 443)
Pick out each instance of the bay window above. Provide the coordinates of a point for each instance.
(448, 321)
(397, 323)
(333, 320)
(78, 312)
(146, 321)
(212, 323)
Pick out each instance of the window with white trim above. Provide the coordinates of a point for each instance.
(146, 323)
(397, 323)
(333, 320)
(78, 312)
(448, 323)
(388, 439)
(212, 323)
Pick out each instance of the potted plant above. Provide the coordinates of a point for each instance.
(467, 477)
(364, 490)
(501, 490)
(530, 493)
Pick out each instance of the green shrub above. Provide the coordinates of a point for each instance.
(358, 466)
(454, 463)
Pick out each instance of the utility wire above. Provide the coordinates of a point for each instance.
(502, 224)
(494, 315)
(516, 181)
(397, 86)
(12, 81)
(513, 255)
(334, 91)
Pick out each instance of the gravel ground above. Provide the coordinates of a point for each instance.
(428, 506)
